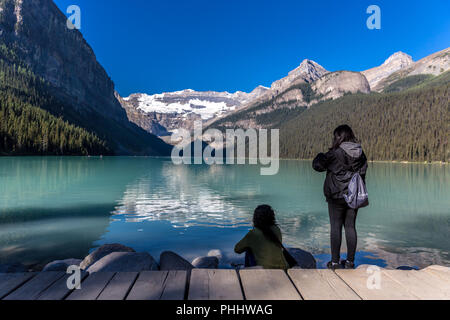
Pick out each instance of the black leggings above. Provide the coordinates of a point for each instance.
(342, 215)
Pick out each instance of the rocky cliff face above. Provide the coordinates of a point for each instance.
(435, 64)
(59, 55)
(36, 31)
(335, 85)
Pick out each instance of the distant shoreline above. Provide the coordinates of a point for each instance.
(166, 157)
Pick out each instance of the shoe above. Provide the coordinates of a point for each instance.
(333, 265)
(347, 264)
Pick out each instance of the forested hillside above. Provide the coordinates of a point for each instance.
(26, 128)
(410, 125)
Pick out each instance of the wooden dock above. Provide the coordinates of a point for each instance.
(432, 283)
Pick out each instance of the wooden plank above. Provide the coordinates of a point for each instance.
(119, 286)
(175, 286)
(267, 285)
(438, 271)
(389, 289)
(210, 284)
(321, 285)
(92, 287)
(11, 281)
(34, 287)
(159, 285)
(423, 285)
(59, 289)
(148, 286)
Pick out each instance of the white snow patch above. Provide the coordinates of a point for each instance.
(206, 109)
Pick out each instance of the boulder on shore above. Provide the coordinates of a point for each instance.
(171, 261)
(215, 253)
(61, 265)
(206, 263)
(124, 262)
(407, 268)
(101, 252)
(305, 260)
(12, 268)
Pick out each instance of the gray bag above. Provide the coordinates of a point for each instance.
(357, 196)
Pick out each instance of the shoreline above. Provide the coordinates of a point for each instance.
(170, 260)
(167, 157)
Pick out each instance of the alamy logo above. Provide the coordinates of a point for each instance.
(231, 149)
(74, 281)
(374, 21)
(374, 280)
(74, 21)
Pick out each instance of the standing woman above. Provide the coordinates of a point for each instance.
(345, 158)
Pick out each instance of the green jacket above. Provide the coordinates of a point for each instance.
(267, 254)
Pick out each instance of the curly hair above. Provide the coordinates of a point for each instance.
(264, 220)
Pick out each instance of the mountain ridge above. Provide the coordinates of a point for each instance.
(400, 65)
(303, 94)
(306, 85)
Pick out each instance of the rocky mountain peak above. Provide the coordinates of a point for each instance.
(396, 62)
(259, 90)
(399, 58)
(308, 71)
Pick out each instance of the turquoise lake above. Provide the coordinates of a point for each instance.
(58, 208)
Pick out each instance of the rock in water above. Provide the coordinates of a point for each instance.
(305, 260)
(216, 253)
(12, 268)
(171, 261)
(407, 268)
(206, 262)
(102, 252)
(124, 262)
(61, 265)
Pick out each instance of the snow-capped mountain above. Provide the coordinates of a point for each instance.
(162, 113)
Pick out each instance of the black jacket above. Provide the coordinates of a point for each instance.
(341, 165)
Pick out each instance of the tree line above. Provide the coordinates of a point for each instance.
(26, 128)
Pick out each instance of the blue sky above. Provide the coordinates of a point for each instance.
(229, 45)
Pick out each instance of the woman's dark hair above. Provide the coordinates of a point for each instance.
(342, 134)
(264, 220)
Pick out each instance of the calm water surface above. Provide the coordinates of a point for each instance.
(57, 208)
